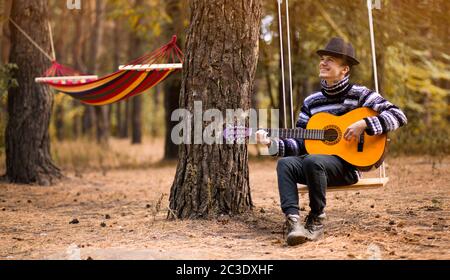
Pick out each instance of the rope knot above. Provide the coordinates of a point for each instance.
(174, 40)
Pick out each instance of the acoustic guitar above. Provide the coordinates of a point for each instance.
(324, 135)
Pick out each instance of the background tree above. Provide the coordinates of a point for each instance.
(134, 49)
(101, 112)
(219, 70)
(5, 9)
(28, 157)
(172, 86)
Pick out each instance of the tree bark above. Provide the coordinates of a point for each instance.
(219, 70)
(28, 158)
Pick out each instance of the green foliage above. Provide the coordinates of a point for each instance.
(6, 80)
(143, 18)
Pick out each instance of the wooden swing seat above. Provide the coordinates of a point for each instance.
(363, 184)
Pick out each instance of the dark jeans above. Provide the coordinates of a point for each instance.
(315, 171)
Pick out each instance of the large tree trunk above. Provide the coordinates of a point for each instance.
(28, 158)
(219, 69)
(172, 85)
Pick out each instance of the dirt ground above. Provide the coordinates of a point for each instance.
(120, 214)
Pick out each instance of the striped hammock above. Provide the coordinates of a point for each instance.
(131, 80)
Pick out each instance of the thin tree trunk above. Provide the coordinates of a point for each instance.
(116, 62)
(77, 50)
(59, 45)
(266, 71)
(172, 86)
(88, 118)
(28, 158)
(219, 70)
(156, 103)
(59, 122)
(124, 132)
(5, 45)
(101, 112)
(136, 102)
(136, 120)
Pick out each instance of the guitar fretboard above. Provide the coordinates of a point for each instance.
(309, 134)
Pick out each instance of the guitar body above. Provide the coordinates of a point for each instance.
(363, 155)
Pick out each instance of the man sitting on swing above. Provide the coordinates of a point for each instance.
(337, 97)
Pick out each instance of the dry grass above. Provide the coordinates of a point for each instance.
(80, 156)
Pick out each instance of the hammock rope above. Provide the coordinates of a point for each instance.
(31, 40)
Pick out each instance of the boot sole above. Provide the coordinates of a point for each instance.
(296, 240)
(319, 236)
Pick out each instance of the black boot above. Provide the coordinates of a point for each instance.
(313, 229)
(295, 231)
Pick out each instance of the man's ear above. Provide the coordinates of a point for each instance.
(346, 69)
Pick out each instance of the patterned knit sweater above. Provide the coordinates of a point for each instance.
(339, 99)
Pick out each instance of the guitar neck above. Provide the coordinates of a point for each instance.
(308, 134)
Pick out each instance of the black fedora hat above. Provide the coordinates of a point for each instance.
(337, 47)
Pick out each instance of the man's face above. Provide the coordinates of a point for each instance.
(332, 68)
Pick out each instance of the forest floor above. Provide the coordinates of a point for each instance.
(120, 213)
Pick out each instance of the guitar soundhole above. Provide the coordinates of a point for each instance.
(332, 135)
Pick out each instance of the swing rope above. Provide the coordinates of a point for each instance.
(375, 70)
(280, 24)
(282, 62)
(290, 65)
(31, 40)
(50, 34)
